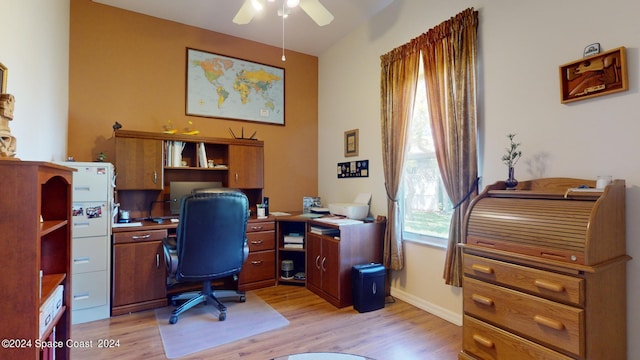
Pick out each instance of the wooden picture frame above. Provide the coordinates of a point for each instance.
(351, 143)
(597, 75)
(224, 87)
(3, 79)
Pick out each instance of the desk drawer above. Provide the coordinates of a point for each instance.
(261, 226)
(139, 236)
(259, 266)
(549, 285)
(260, 241)
(542, 320)
(488, 342)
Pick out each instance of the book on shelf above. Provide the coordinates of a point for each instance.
(324, 231)
(297, 239)
(202, 155)
(293, 246)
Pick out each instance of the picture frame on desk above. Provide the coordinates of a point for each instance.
(225, 87)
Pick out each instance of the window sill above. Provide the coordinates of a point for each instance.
(433, 241)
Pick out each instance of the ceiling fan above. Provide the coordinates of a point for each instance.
(313, 8)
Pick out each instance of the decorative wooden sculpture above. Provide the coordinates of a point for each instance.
(7, 141)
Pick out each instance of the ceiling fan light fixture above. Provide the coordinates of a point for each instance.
(258, 5)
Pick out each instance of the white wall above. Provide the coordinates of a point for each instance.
(35, 49)
(522, 44)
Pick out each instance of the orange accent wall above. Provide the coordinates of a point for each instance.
(131, 68)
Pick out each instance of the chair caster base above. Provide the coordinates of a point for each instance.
(173, 319)
(222, 316)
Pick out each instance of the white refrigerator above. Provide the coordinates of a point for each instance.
(92, 207)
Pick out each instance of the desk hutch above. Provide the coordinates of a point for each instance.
(545, 272)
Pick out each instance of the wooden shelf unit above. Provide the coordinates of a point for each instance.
(37, 235)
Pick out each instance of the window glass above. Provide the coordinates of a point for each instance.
(426, 206)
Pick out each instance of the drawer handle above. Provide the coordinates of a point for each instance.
(550, 323)
(256, 228)
(482, 268)
(82, 260)
(483, 341)
(482, 300)
(257, 242)
(548, 285)
(138, 237)
(256, 262)
(82, 296)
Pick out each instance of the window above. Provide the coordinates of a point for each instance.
(425, 204)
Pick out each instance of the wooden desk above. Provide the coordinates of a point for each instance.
(139, 271)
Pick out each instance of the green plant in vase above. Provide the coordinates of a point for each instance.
(510, 159)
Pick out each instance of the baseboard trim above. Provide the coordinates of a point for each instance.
(427, 306)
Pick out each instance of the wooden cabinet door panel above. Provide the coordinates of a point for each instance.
(331, 267)
(246, 167)
(138, 273)
(314, 259)
(139, 164)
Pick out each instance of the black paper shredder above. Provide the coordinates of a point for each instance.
(368, 281)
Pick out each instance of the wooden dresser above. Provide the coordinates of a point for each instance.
(545, 272)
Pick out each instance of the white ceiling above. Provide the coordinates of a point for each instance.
(301, 33)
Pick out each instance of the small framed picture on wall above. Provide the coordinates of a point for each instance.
(351, 143)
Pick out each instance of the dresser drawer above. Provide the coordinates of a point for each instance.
(261, 226)
(541, 320)
(90, 254)
(488, 342)
(260, 241)
(259, 266)
(550, 285)
(138, 236)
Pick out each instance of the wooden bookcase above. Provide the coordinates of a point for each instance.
(36, 236)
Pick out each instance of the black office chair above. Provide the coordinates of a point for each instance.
(210, 244)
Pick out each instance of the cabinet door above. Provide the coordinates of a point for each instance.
(138, 272)
(314, 260)
(138, 164)
(331, 267)
(246, 169)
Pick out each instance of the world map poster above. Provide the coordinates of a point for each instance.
(225, 87)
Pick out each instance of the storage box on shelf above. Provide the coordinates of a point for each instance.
(540, 265)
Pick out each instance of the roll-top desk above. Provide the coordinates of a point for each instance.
(545, 272)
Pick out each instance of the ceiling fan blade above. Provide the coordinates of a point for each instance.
(317, 11)
(245, 14)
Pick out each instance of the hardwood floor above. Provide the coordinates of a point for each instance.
(399, 331)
